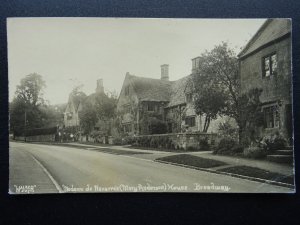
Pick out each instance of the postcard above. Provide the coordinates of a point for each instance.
(110, 105)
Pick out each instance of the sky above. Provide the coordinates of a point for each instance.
(69, 52)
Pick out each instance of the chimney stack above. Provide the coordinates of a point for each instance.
(164, 72)
(100, 88)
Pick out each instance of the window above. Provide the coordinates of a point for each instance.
(126, 90)
(269, 65)
(271, 117)
(189, 97)
(151, 106)
(190, 121)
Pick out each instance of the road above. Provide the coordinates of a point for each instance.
(37, 168)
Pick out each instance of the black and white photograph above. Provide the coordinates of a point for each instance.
(111, 105)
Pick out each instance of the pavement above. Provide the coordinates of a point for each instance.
(40, 168)
(284, 169)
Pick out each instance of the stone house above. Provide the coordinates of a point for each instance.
(265, 63)
(71, 114)
(146, 101)
(75, 105)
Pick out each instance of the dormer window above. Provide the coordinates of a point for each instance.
(269, 65)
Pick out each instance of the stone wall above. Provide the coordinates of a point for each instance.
(277, 90)
(187, 141)
(37, 138)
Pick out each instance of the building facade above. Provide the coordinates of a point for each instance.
(151, 106)
(265, 63)
(75, 105)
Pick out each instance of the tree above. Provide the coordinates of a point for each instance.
(216, 90)
(250, 116)
(215, 84)
(30, 90)
(106, 106)
(88, 117)
(27, 104)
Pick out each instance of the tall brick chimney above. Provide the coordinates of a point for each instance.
(100, 88)
(164, 72)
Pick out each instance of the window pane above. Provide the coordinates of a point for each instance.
(274, 64)
(267, 66)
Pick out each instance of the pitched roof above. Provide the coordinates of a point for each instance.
(76, 99)
(271, 30)
(178, 89)
(149, 89)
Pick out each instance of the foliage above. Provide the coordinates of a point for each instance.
(30, 90)
(250, 116)
(203, 144)
(152, 123)
(254, 152)
(226, 129)
(228, 146)
(273, 142)
(97, 110)
(216, 84)
(29, 103)
(88, 117)
(105, 105)
(162, 142)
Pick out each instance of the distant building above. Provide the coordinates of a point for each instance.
(148, 105)
(75, 104)
(265, 63)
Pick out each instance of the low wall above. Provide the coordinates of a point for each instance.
(186, 141)
(37, 138)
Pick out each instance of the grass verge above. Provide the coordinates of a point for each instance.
(190, 160)
(258, 173)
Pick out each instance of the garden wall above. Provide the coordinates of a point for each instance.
(37, 138)
(186, 141)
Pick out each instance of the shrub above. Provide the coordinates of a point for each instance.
(273, 142)
(225, 146)
(254, 152)
(153, 142)
(237, 149)
(203, 144)
(117, 141)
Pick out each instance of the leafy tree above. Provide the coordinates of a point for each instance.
(105, 106)
(250, 116)
(30, 90)
(88, 117)
(27, 103)
(215, 84)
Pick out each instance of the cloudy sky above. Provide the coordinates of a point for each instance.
(72, 51)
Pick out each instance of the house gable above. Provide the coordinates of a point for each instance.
(269, 32)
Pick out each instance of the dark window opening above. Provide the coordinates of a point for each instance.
(271, 117)
(269, 65)
(189, 97)
(190, 121)
(151, 106)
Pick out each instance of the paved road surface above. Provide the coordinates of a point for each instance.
(36, 168)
